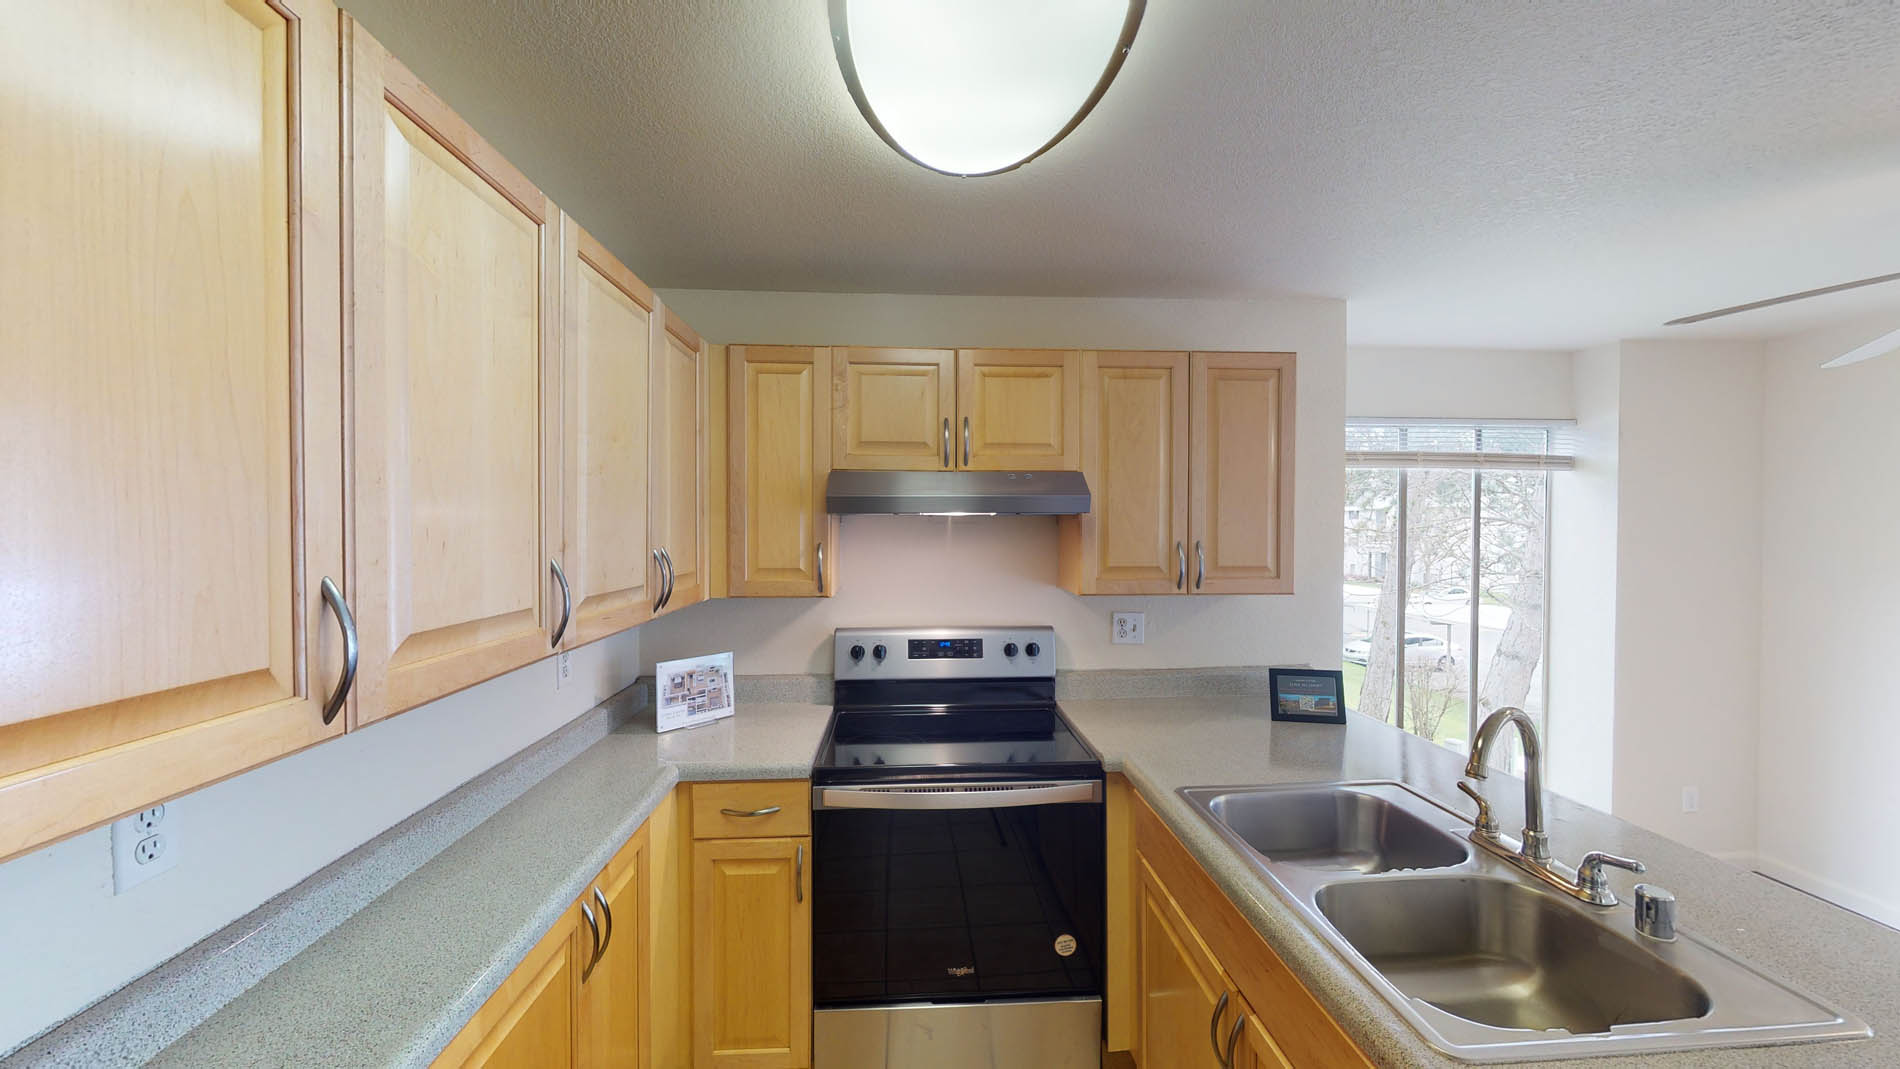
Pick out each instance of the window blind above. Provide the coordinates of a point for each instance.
(1488, 444)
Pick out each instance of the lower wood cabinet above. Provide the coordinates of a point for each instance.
(1238, 1008)
(580, 997)
(529, 1022)
(751, 924)
(614, 1007)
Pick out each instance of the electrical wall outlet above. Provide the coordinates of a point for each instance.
(143, 845)
(1691, 800)
(562, 669)
(1130, 629)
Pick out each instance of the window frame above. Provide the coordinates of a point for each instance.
(1554, 457)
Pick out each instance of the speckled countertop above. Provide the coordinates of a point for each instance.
(1164, 744)
(396, 981)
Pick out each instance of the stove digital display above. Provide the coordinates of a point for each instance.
(930, 649)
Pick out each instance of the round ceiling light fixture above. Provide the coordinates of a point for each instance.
(977, 87)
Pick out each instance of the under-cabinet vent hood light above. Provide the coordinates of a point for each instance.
(957, 493)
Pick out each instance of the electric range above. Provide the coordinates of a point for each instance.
(959, 836)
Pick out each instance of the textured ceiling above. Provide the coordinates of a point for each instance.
(1512, 173)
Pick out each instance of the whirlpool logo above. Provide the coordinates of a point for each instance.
(961, 970)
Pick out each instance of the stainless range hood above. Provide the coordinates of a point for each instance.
(954, 493)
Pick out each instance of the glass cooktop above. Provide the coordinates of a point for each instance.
(1009, 742)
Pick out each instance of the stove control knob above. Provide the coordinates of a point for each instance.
(878, 651)
(1009, 649)
(857, 654)
(1034, 649)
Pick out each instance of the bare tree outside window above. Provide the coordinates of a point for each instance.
(1445, 576)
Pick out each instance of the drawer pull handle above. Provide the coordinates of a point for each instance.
(766, 812)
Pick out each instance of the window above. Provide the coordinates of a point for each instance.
(1446, 577)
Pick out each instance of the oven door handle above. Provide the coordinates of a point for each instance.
(957, 795)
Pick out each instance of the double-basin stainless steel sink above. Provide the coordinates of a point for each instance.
(1488, 965)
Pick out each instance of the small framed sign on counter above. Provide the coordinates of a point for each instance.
(697, 690)
(1307, 695)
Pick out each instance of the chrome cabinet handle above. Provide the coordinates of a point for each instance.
(798, 874)
(1180, 566)
(666, 579)
(660, 575)
(567, 603)
(946, 441)
(607, 918)
(1213, 1024)
(766, 812)
(588, 969)
(821, 567)
(1233, 1039)
(334, 598)
(966, 441)
(1200, 563)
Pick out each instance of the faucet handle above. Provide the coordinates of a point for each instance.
(1486, 823)
(1592, 881)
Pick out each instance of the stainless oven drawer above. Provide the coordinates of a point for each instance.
(1054, 1034)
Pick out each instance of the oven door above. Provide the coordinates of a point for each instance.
(982, 897)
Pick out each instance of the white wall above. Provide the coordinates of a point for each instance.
(983, 570)
(1582, 725)
(251, 837)
(1830, 712)
(1459, 383)
(1688, 612)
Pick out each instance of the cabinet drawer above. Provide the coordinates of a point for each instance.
(715, 803)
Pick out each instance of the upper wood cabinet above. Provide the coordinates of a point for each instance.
(780, 452)
(1018, 409)
(1189, 461)
(456, 414)
(677, 437)
(606, 370)
(171, 453)
(938, 409)
(1134, 417)
(892, 408)
(1240, 492)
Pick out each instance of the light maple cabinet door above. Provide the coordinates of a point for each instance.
(678, 441)
(1253, 1046)
(606, 370)
(1134, 419)
(892, 409)
(782, 542)
(1018, 409)
(752, 953)
(171, 447)
(530, 1020)
(1184, 997)
(1240, 497)
(614, 1003)
(455, 410)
